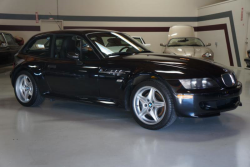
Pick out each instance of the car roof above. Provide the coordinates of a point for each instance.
(77, 31)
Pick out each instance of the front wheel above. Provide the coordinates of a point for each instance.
(152, 105)
(26, 90)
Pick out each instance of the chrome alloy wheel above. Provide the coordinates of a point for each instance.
(24, 88)
(149, 105)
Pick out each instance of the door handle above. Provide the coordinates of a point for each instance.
(51, 66)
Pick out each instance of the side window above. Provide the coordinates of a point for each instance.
(66, 45)
(10, 40)
(87, 51)
(39, 47)
(105, 40)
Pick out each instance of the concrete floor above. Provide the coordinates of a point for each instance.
(69, 134)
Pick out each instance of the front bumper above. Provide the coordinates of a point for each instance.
(209, 104)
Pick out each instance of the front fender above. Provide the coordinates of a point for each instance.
(136, 79)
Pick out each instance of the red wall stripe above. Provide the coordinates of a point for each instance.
(19, 28)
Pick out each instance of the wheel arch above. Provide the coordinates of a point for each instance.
(137, 79)
(39, 80)
(18, 70)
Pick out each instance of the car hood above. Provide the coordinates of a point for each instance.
(172, 66)
(190, 51)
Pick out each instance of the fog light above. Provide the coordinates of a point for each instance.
(181, 96)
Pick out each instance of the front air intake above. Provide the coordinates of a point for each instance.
(228, 79)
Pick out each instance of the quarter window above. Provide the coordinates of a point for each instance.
(39, 47)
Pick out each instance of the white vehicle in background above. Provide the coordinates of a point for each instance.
(141, 41)
(182, 41)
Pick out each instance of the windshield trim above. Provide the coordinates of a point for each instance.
(184, 45)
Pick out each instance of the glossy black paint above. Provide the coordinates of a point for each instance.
(7, 52)
(110, 80)
(247, 60)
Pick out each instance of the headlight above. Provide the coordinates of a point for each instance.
(199, 83)
(207, 55)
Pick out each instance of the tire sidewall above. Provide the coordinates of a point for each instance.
(167, 97)
(35, 89)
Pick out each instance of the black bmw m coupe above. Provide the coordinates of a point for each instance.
(111, 68)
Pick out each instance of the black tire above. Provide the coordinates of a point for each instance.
(36, 98)
(170, 115)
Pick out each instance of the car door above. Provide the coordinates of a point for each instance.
(113, 71)
(11, 48)
(72, 76)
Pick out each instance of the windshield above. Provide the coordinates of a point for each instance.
(185, 42)
(112, 43)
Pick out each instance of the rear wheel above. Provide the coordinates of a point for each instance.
(152, 105)
(26, 90)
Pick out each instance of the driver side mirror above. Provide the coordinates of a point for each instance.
(163, 45)
(73, 55)
(209, 44)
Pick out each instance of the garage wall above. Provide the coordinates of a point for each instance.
(106, 7)
(236, 27)
(113, 8)
(220, 50)
(147, 14)
(158, 8)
